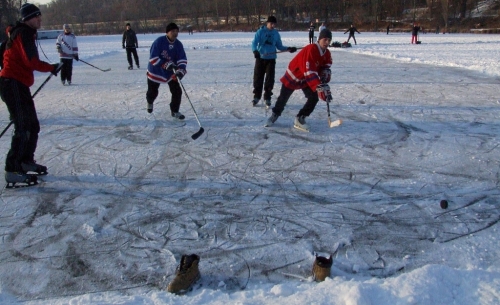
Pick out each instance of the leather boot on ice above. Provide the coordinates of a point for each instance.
(186, 274)
(321, 268)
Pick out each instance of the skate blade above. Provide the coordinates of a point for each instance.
(16, 185)
(334, 123)
(300, 128)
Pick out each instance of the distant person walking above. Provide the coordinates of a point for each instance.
(322, 27)
(267, 39)
(388, 27)
(68, 50)
(130, 44)
(351, 31)
(311, 32)
(167, 64)
(20, 61)
(414, 33)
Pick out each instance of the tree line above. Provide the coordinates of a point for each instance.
(109, 16)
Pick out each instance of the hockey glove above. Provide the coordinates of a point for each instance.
(59, 49)
(256, 54)
(325, 76)
(169, 66)
(324, 92)
(179, 74)
(291, 49)
(76, 57)
(55, 69)
(123, 46)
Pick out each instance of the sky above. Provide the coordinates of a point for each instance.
(128, 193)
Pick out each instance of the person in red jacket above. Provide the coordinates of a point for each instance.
(309, 70)
(20, 60)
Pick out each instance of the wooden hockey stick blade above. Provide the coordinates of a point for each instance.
(334, 123)
(198, 134)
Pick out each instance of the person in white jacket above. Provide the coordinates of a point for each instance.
(68, 50)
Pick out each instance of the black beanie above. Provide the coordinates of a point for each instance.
(272, 19)
(29, 11)
(325, 33)
(171, 26)
(128, 24)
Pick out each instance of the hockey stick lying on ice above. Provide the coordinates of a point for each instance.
(105, 70)
(277, 52)
(199, 132)
(330, 123)
(33, 96)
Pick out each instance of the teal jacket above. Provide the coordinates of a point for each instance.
(266, 42)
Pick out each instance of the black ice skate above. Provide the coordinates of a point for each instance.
(32, 167)
(179, 116)
(16, 180)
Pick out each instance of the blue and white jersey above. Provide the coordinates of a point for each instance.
(162, 52)
(66, 45)
(266, 41)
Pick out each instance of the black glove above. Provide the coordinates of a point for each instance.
(179, 74)
(76, 57)
(256, 54)
(292, 49)
(123, 46)
(59, 49)
(55, 69)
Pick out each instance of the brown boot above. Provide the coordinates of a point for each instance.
(185, 275)
(321, 268)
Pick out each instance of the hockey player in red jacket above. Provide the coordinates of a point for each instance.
(309, 70)
(20, 60)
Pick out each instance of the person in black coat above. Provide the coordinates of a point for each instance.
(414, 33)
(311, 33)
(129, 42)
(351, 31)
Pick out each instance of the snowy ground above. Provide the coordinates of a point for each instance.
(128, 193)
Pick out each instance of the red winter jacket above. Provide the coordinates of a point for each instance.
(304, 68)
(21, 56)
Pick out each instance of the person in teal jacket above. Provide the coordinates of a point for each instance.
(264, 45)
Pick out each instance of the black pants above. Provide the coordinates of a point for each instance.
(66, 69)
(130, 51)
(352, 38)
(263, 68)
(285, 93)
(311, 37)
(22, 111)
(175, 89)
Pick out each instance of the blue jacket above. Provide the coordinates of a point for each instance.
(266, 42)
(162, 53)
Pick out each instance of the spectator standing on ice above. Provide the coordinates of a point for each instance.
(322, 27)
(68, 49)
(130, 44)
(310, 71)
(311, 32)
(267, 39)
(16, 78)
(167, 64)
(351, 31)
(414, 33)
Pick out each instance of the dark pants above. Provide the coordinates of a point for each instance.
(175, 89)
(66, 69)
(311, 37)
(22, 111)
(263, 68)
(351, 36)
(130, 51)
(285, 93)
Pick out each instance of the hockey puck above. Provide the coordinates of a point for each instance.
(444, 204)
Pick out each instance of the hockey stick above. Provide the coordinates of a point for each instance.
(277, 52)
(105, 70)
(199, 132)
(330, 123)
(33, 96)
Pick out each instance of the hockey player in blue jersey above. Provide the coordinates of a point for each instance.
(167, 63)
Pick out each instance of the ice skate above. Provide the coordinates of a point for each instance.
(179, 116)
(255, 101)
(130, 67)
(186, 274)
(18, 179)
(271, 120)
(300, 123)
(321, 268)
(149, 107)
(268, 103)
(32, 167)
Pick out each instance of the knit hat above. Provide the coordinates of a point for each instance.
(325, 33)
(171, 26)
(29, 11)
(66, 26)
(128, 24)
(272, 19)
